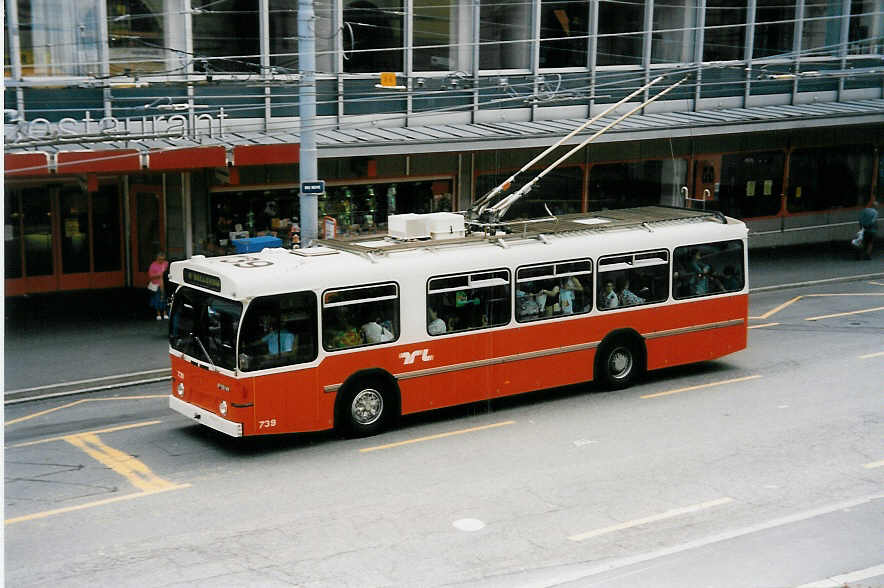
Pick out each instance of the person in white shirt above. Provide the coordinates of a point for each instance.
(373, 332)
(609, 296)
(435, 325)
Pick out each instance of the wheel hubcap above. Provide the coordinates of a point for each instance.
(620, 363)
(367, 406)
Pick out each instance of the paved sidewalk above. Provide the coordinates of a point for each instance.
(57, 338)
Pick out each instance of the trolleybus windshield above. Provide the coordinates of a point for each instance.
(204, 326)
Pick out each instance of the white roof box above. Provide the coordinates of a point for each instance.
(436, 225)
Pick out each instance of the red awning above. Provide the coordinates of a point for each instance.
(26, 164)
(110, 160)
(266, 154)
(188, 158)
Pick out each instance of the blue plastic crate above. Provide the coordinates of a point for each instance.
(255, 244)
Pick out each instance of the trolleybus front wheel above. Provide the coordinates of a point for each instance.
(363, 410)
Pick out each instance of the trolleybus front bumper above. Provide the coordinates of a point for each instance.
(204, 417)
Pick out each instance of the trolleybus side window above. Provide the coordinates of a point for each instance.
(353, 317)
(468, 301)
(633, 279)
(279, 330)
(710, 268)
(553, 289)
(204, 326)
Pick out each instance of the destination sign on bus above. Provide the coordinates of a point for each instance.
(202, 280)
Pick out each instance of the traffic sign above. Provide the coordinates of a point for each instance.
(317, 187)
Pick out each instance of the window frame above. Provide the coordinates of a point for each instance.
(637, 260)
(553, 276)
(492, 282)
(257, 305)
(742, 258)
(396, 296)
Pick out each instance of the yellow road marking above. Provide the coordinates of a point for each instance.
(439, 436)
(124, 464)
(108, 430)
(49, 513)
(652, 519)
(852, 294)
(874, 464)
(709, 385)
(825, 316)
(870, 355)
(41, 413)
(81, 401)
(764, 325)
(769, 313)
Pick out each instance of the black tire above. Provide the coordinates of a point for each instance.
(364, 407)
(619, 363)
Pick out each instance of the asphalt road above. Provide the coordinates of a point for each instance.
(764, 468)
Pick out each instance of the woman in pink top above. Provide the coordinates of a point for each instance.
(155, 285)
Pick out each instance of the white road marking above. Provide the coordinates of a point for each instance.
(846, 579)
(871, 355)
(840, 314)
(468, 524)
(652, 519)
(582, 442)
(874, 464)
(580, 574)
(90, 380)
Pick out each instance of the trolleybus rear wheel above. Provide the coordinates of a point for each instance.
(619, 363)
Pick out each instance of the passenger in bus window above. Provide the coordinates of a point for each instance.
(468, 311)
(625, 296)
(276, 340)
(455, 323)
(526, 303)
(435, 325)
(375, 332)
(731, 280)
(699, 279)
(568, 292)
(548, 298)
(340, 334)
(461, 299)
(608, 298)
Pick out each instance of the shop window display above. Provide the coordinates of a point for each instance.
(362, 209)
(560, 192)
(253, 214)
(355, 209)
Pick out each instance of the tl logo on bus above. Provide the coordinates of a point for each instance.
(409, 357)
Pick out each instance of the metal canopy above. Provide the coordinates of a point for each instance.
(367, 140)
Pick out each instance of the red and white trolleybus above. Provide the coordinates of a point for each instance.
(353, 334)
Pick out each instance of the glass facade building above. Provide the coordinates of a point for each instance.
(138, 125)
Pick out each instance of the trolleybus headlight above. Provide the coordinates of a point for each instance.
(222, 408)
(181, 389)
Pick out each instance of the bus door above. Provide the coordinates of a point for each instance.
(706, 181)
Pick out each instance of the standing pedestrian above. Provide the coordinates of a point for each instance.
(868, 221)
(156, 285)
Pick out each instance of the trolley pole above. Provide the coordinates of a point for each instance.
(307, 109)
